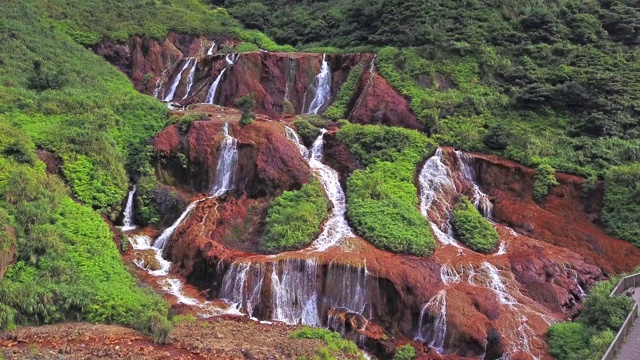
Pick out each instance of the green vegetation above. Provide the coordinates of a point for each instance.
(295, 218)
(381, 200)
(67, 265)
(621, 213)
(405, 352)
(473, 229)
(589, 336)
(335, 344)
(308, 132)
(544, 181)
(338, 110)
(247, 104)
(540, 82)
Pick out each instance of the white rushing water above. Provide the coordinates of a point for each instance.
(211, 94)
(434, 333)
(231, 58)
(223, 180)
(242, 286)
(176, 81)
(162, 240)
(478, 198)
(142, 243)
(322, 89)
(190, 78)
(211, 49)
(294, 292)
(336, 228)
(127, 221)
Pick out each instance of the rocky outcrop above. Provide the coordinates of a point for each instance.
(282, 83)
(268, 163)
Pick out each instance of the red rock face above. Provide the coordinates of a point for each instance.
(268, 163)
(282, 83)
(379, 103)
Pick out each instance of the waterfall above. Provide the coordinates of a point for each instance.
(242, 286)
(434, 333)
(174, 287)
(295, 292)
(143, 243)
(336, 228)
(372, 75)
(176, 82)
(190, 78)
(127, 222)
(211, 49)
(293, 136)
(436, 184)
(496, 284)
(211, 95)
(323, 88)
(231, 58)
(449, 275)
(227, 162)
(161, 241)
(479, 199)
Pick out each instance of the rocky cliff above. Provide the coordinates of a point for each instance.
(183, 68)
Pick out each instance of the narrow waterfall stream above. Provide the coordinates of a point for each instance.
(227, 162)
(127, 220)
(434, 334)
(172, 90)
(322, 88)
(223, 182)
(211, 94)
(211, 49)
(190, 79)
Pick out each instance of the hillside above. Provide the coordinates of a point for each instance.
(454, 177)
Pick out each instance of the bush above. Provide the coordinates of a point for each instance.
(568, 341)
(338, 110)
(295, 218)
(332, 339)
(381, 200)
(544, 181)
(307, 132)
(246, 47)
(42, 79)
(621, 212)
(247, 103)
(405, 352)
(472, 228)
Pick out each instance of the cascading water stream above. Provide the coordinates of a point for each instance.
(295, 293)
(211, 95)
(479, 199)
(211, 49)
(176, 81)
(434, 333)
(190, 78)
(436, 184)
(231, 59)
(323, 88)
(227, 162)
(127, 221)
(242, 286)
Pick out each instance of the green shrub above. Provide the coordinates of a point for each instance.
(621, 212)
(338, 110)
(381, 200)
(568, 341)
(295, 218)
(405, 352)
(20, 152)
(604, 312)
(599, 343)
(332, 339)
(307, 132)
(246, 47)
(247, 104)
(42, 79)
(342, 123)
(544, 181)
(473, 229)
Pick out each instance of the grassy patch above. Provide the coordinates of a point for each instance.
(295, 218)
(338, 110)
(335, 344)
(472, 228)
(382, 202)
(621, 212)
(589, 336)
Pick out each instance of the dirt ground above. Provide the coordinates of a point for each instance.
(202, 339)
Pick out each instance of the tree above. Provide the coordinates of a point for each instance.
(247, 103)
